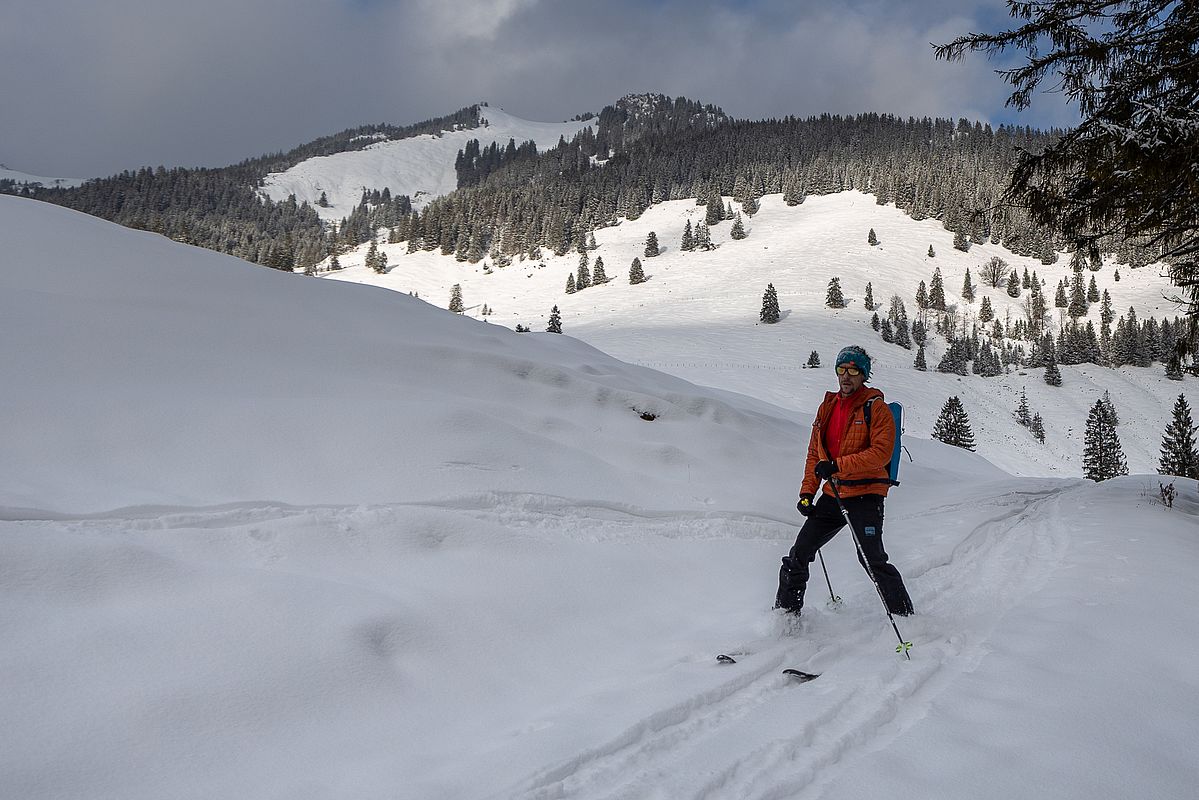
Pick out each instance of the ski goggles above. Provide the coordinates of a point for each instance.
(848, 369)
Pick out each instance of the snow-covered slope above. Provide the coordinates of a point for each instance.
(134, 352)
(697, 317)
(453, 563)
(421, 167)
(7, 174)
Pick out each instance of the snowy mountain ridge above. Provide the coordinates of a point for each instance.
(421, 167)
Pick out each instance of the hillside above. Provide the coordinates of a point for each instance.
(384, 551)
(421, 167)
(697, 317)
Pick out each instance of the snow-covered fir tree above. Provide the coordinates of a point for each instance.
(1102, 455)
(968, 287)
(869, 296)
(1013, 284)
(688, 242)
(583, 279)
(960, 242)
(920, 363)
(570, 283)
(737, 232)
(1037, 426)
(953, 425)
(636, 274)
(834, 298)
(651, 245)
(813, 360)
(555, 323)
(456, 304)
(931, 253)
(599, 276)
(770, 306)
(1023, 414)
(872, 238)
(1112, 414)
(1053, 375)
(1179, 452)
(985, 312)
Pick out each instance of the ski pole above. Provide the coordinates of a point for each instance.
(904, 645)
(833, 600)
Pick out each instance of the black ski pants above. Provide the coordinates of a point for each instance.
(866, 514)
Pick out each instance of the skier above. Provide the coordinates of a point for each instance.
(845, 448)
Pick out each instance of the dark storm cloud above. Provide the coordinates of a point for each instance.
(92, 88)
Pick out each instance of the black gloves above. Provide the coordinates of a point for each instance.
(825, 469)
(805, 504)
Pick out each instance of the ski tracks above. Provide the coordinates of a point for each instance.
(753, 734)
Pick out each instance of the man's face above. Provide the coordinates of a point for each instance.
(847, 380)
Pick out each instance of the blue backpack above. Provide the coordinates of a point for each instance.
(896, 411)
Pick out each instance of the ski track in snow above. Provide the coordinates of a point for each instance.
(706, 747)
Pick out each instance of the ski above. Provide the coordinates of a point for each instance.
(801, 676)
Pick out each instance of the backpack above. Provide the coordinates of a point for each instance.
(896, 411)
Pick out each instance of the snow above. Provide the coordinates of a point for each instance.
(707, 331)
(7, 174)
(263, 536)
(421, 167)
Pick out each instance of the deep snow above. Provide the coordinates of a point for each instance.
(362, 547)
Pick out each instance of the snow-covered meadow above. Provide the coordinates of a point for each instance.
(265, 536)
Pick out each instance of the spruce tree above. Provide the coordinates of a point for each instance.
(813, 360)
(636, 274)
(1013, 284)
(1111, 407)
(1037, 426)
(715, 210)
(1078, 297)
(770, 306)
(902, 337)
(985, 312)
(937, 292)
(887, 331)
(599, 276)
(920, 363)
(688, 242)
(583, 279)
(1093, 291)
(456, 304)
(570, 283)
(1053, 375)
(834, 298)
(874, 322)
(1023, 416)
(555, 323)
(872, 238)
(968, 288)
(960, 242)
(1179, 453)
(869, 297)
(931, 253)
(738, 230)
(953, 426)
(651, 245)
(1102, 456)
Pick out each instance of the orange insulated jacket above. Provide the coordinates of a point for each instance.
(865, 449)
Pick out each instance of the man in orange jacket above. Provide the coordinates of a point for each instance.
(844, 446)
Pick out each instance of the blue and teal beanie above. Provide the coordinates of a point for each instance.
(857, 356)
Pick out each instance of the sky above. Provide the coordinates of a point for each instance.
(92, 88)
